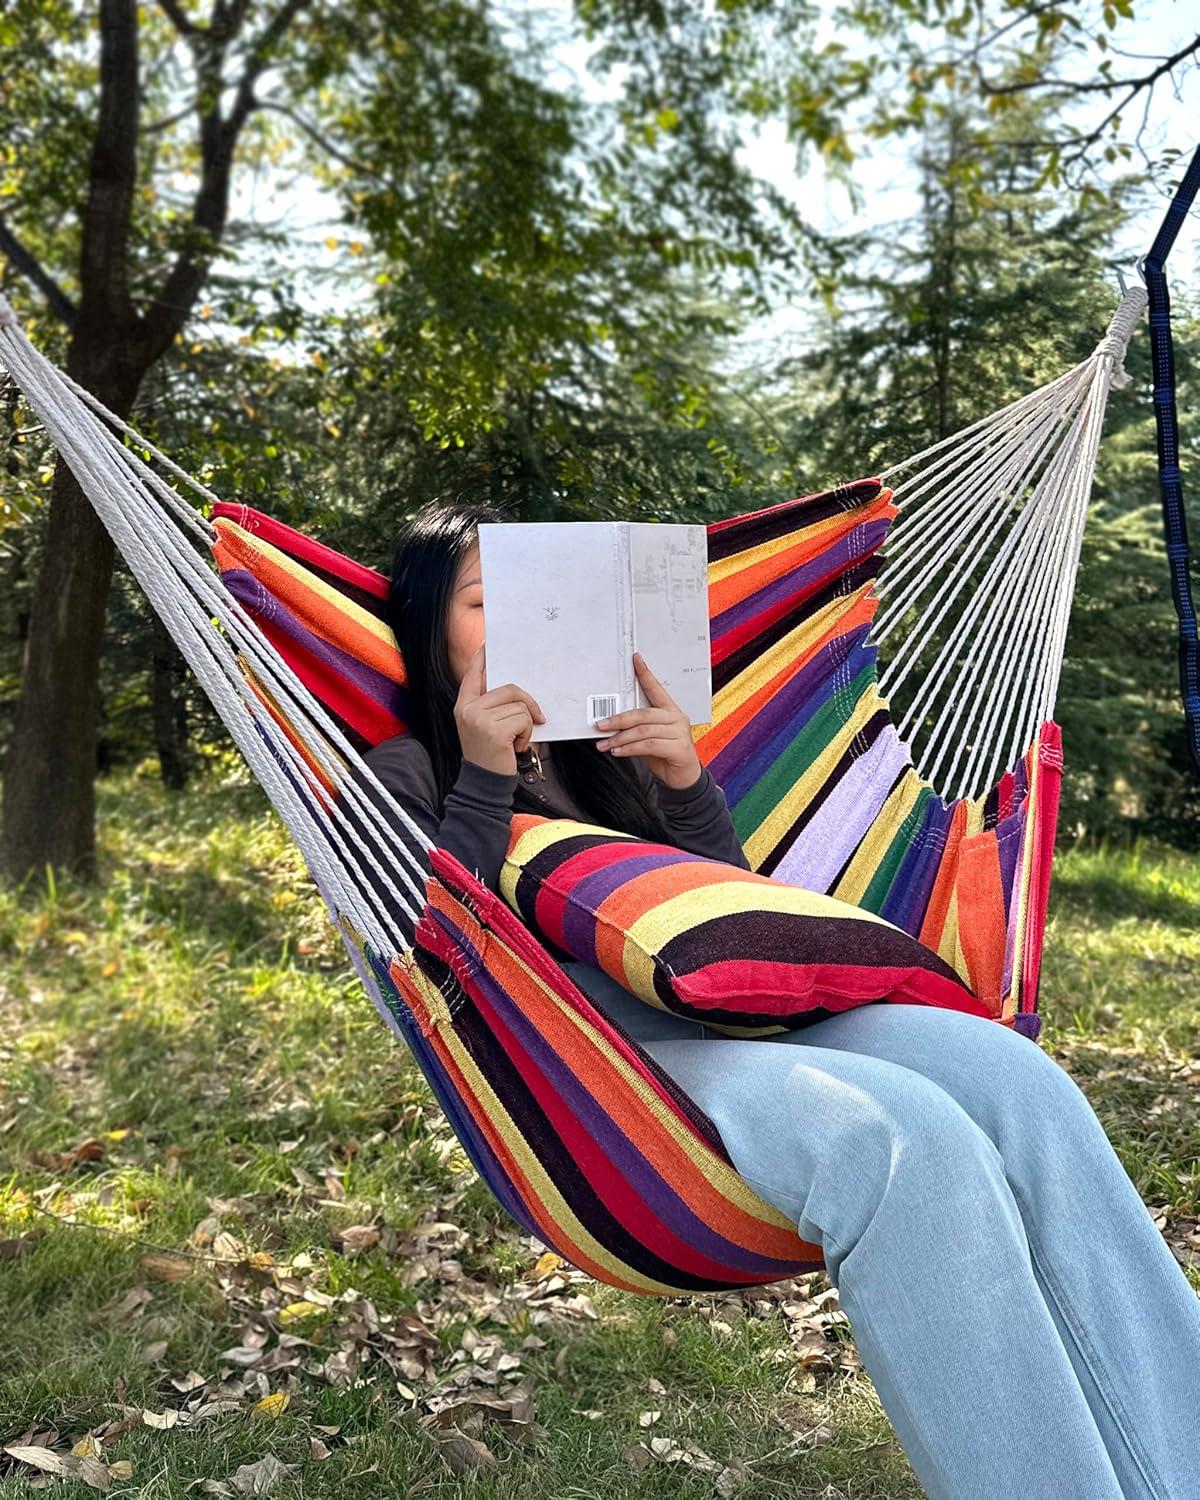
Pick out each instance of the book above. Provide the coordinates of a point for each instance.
(567, 603)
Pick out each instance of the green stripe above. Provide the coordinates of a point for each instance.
(876, 892)
(765, 796)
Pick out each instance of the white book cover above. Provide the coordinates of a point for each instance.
(567, 603)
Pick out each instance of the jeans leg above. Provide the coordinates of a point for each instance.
(925, 1243)
(1124, 1308)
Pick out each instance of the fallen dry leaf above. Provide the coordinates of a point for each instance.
(39, 1458)
(262, 1477)
(160, 1419)
(166, 1267)
(463, 1454)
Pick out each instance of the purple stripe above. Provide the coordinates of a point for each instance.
(616, 1146)
(365, 679)
(1009, 851)
(483, 1158)
(627, 1157)
(839, 557)
(590, 891)
(752, 752)
(845, 817)
(908, 898)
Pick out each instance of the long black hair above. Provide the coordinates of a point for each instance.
(425, 562)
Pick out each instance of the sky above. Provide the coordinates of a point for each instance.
(885, 177)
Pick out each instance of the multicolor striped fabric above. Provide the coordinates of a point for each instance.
(572, 1125)
(579, 1133)
(738, 951)
(822, 791)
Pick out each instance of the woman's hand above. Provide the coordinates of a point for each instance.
(493, 725)
(662, 733)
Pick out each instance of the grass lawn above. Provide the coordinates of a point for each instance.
(241, 1250)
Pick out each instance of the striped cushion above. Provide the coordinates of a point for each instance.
(743, 953)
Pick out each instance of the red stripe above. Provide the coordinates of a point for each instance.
(751, 515)
(1050, 760)
(362, 712)
(614, 1191)
(772, 988)
(734, 636)
(552, 902)
(304, 548)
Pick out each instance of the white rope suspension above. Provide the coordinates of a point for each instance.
(1025, 470)
(191, 598)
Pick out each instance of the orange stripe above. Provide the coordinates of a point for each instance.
(813, 540)
(285, 724)
(934, 923)
(982, 921)
(318, 613)
(680, 1168)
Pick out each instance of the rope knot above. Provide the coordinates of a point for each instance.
(1113, 347)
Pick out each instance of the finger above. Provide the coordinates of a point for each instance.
(659, 725)
(509, 692)
(524, 734)
(473, 676)
(651, 686)
(516, 714)
(631, 717)
(648, 745)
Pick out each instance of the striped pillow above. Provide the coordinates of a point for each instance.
(743, 953)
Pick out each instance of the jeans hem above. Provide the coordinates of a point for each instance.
(1116, 1410)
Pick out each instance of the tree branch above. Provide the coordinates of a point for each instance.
(314, 133)
(1108, 86)
(218, 142)
(31, 268)
(106, 217)
(174, 13)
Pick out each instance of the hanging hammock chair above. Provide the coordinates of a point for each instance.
(586, 1141)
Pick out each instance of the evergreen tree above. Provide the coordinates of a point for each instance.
(997, 285)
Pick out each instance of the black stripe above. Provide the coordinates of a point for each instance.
(560, 1166)
(789, 516)
(790, 938)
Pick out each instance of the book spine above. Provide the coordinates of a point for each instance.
(629, 682)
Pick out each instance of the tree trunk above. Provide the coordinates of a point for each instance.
(170, 721)
(48, 815)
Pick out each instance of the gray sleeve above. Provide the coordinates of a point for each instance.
(475, 821)
(699, 818)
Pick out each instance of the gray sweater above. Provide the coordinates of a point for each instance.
(474, 823)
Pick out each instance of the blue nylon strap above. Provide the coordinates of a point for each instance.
(1166, 419)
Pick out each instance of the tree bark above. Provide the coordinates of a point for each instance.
(48, 815)
(167, 707)
(49, 799)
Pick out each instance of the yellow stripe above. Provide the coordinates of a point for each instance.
(363, 618)
(1010, 1003)
(555, 1206)
(737, 561)
(870, 854)
(718, 1173)
(783, 653)
(789, 807)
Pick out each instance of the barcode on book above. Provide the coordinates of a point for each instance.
(601, 705)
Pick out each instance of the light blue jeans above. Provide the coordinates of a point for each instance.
(1026, 1327)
